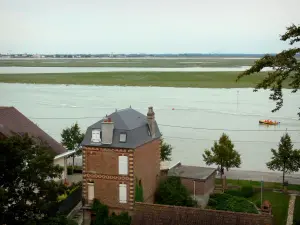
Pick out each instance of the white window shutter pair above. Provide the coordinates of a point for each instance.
(96, 136)
(123, 193)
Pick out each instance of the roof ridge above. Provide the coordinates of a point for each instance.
(6, 107)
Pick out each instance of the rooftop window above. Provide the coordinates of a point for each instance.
(123, 137)
(96, 135)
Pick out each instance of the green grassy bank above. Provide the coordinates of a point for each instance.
(161, 79)
(129, 62)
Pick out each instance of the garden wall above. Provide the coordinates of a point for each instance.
(153, 214)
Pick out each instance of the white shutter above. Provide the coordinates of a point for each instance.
(123, 193)
(91, 191)
(123, 165)
(96, 135)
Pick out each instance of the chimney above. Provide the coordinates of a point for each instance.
(151, 121)
(107, 128)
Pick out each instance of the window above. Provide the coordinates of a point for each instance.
(123, 137)
(91, 192)
(96, 136)
(123, 193)
(123, 165)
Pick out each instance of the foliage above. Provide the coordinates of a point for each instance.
(231, 203)
(245, 192)
(139, 192)
(297, 211)
(171, 192)
(77, 169)
(286, 68)
(165, 151)
(69, 190)
(285, 159)
(103, 218)
(59, 220)
(26, 176)
(222, 154)
(72, 138)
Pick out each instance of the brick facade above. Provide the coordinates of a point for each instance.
(153, 214)
(202, 187)
(147, 168)
(100, 165)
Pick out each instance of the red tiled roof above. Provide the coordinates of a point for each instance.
(13, 120)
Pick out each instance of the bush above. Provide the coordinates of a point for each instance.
(69, 170)
(231, 203)
(172, 192)
(247, 191)
(257, 203)
(237, 193)
(77, 169)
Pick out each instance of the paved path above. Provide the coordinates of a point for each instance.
(289, 220)
(257, 176)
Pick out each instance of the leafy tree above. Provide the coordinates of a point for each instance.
(286, 68)
(165, 151)
(222, 154)
(72, 138)
(172, 192)
(285, 159)
(27, 188)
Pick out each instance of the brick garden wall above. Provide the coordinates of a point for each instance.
(153, 214)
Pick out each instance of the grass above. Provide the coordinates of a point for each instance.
(162, 79)
(297, 209)
(172, 63)
(279, 202)
(271, 185)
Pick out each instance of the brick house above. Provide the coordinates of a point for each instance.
(120, 151)
(13, 122)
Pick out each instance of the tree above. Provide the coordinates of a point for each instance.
(286, 69)
(165, 151)
(72, 138)
(222, 154)
(27, 188)
(285, 159)
(172, 192)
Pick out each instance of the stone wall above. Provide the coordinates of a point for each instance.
(153, 214)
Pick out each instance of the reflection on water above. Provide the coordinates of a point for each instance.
(199, 116)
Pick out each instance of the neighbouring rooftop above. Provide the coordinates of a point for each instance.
(192, 172)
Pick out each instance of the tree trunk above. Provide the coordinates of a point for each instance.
(283, 179)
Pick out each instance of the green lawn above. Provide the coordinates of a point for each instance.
(297, 209)
(279, 202)
(273, 185)
(162, 79)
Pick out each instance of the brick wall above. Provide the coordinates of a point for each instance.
(147, 167)
(100, 165)
(189, 184)
(152, 214)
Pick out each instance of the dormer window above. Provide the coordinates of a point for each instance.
(96, 137)
(123, 137)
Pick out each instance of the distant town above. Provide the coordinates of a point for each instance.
(137, 55)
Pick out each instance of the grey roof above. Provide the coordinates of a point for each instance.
(192, 172)
(130, 121)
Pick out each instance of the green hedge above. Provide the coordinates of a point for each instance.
(231, 203)
(297, 211)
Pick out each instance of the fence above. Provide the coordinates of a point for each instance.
(66, 206)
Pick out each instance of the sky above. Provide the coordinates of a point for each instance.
(145, 26)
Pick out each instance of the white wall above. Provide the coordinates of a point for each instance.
(62, 163)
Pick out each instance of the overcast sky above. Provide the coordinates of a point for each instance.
(145, 26)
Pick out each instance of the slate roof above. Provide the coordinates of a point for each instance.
(192, 172)
(13, 121)
(130, 121)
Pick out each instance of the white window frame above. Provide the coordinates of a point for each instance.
(96, 139)
(123, 193)
(91, 191)
(124, 135)
(123, 165)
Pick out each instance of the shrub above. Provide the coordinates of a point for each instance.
(69, 170)
(257, 203)
(247, 191)
(172, 192)
(231, 203)
(237, 193)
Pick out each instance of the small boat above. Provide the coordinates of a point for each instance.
(268, 122)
